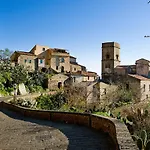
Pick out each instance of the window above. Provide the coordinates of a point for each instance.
(117, 57)
(41, 61)
(105, 91)
(25, 60)
(127, 86)
(30, 61)
(62, 60)
(149, 87)
(88, 77)
(74, 79)
(107, 66)
(144, 88)
(43, 49)
(146, 96)
(56, 67)
(62, 68)
(107, 56)
(74, 69)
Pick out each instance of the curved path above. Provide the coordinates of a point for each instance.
(20, 133)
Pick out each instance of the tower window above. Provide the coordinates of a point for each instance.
(107, 66)
(104, 91)
(144, 87)
(117, 57)
(107, 56)
(43, 49)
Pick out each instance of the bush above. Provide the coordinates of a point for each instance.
(50, 102)
(24, 103)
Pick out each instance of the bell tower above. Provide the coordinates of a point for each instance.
(110, 59)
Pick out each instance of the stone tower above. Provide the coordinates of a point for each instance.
(110, 59)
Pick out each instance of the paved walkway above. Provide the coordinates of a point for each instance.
(20, 133)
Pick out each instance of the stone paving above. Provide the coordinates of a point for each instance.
(20, 133)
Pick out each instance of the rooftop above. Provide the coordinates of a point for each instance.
(125, 66)
(25, 53)
(72, 57)
(84, 73)
(139, 77)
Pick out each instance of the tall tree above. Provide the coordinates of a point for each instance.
(5, 54)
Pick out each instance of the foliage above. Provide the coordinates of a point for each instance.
(5, 54)
(142, 142)
(36, 78)
(35, 88)
(50, 102)
(24, 103)
(114, 99)
(10, 75)
(102, 113)
(76, 97)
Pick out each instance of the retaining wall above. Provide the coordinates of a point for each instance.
(116, 130)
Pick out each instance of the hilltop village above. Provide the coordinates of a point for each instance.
(67, 69)
(53, 60)
(61, 85)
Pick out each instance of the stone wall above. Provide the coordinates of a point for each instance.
(116, 130)
(27, 61)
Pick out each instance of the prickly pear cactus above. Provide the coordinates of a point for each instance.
(140, 143)
(147, 145)
(146, 113)
(144, 137)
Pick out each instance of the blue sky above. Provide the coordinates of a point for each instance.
(79, 26)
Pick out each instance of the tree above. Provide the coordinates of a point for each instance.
(5, 54)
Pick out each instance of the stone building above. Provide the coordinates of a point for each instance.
(133, 76)
(140, 84)
(56, 81)
(53, 60)
(110, 60)
(143, 67)
(24, 58)
(45, 57)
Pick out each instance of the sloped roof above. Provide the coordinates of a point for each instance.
(142, 59)
(139, 77)
(25, 53)
(124, 66)
(84, 73)
(72, 57)
(74, 63)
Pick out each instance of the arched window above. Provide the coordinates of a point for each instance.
(107, 56)
(62, 68)
(107, 66)
(117, 57)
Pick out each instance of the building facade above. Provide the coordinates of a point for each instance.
(110, 59)
(135, 77)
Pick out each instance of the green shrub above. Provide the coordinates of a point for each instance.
(50, 102)
(142, 142)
